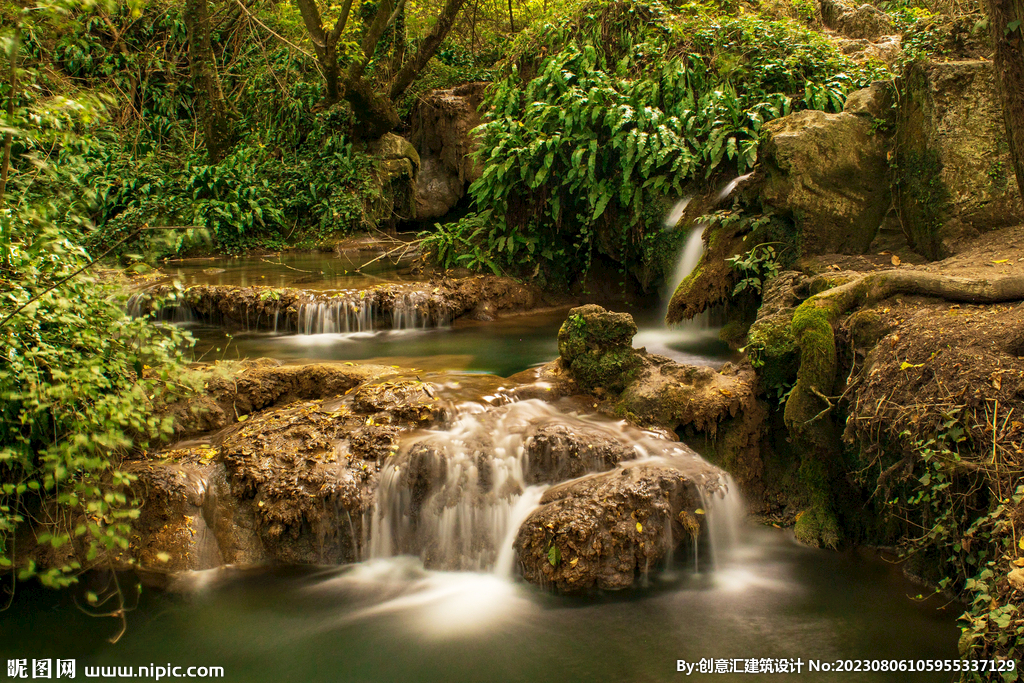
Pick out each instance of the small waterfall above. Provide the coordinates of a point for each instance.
(139, 305)
(337, 316)
(353, 314)
(730, 187)
(457, 497)
(689, 257)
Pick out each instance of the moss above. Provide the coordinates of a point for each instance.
(734, 333)
(812, 329)
(611, 369)
(571, 339)
(818, 528)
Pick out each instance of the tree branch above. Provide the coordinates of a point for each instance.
(428, 47)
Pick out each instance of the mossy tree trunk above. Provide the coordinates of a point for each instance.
(1007, 26)
(809, 409)
(214, 113)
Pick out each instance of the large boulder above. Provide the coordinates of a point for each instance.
(829, 173)
(855, 21)
(397, 171)
(442, 126)
(595, 346)
(607, 530)
(291, 484)
(955, 176)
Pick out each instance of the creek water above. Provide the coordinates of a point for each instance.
(744, 592)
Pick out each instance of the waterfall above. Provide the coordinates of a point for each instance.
(457, 496)
(353, 314)
(689, 257)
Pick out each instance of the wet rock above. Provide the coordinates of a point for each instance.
(189, 521)
(234, 390)
(290, 484)
(594, 344)
(829, 174)
(955, 176)
(605, 531)
(855, 21)
(442, 126)
(385, 306)
(673, 396)
(397, 169)
(556, 452)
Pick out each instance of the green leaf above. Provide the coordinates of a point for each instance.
(554, 555)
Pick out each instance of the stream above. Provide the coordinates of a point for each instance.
(755, 593)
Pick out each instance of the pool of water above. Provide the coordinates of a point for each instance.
(391, 620)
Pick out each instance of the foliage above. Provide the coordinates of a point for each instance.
(78, 387)
(586, 148)
(756, 267)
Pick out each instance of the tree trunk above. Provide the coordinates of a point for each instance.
(218, 128)
(412, 68)
(398, 42)
(1007, 25)
(5, 165)
(374, 114)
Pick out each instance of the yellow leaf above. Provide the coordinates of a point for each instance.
(243, 418)
(1020, 543)
(163, 557)
(639, 527)
(574, 561)
(1001, 260)
(699, 511)
(895, 260)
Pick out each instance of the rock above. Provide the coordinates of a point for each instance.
(855, 21)
(885, 49)
(290, 484)
(672, 395)
(556, 452)
(391, 147)
(442, 126)
(595, 345)
(955, 177)
(874, 102)
(605, 530)
(234, 390)
(829, 173)
(396, 175)
(1016, 579)
(413, 304)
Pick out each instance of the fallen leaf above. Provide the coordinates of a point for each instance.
(1005, 260)
(895, 260)
(639, 527)
(243, 418)
(699, 511)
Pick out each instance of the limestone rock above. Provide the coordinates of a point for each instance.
(955, 178)
(829, 173)
(442, 125)
(855, 21)
(594, 344)
(605, 530)
(874, 102)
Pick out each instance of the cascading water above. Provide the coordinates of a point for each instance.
(457, 496)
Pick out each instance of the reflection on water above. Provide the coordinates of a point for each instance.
(504, 347)
(391, 620)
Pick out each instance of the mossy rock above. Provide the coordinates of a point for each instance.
(817, 527)
(595, 345)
